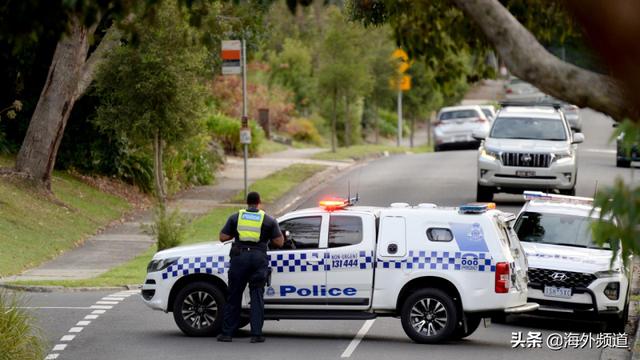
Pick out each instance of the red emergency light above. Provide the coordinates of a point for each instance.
(334, 203)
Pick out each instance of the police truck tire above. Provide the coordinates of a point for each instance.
(244, 321)
(197, 309)
(484, 193)
(429, 316)
(472, 325)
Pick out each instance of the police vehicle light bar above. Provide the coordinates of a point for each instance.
(539, 195)
(476, 208)
(331, 204)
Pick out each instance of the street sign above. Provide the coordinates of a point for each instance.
(231, 57)
(400, 81)
(245, 136)
(404, 84)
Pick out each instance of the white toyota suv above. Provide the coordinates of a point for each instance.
(568, 273)
(527, 147)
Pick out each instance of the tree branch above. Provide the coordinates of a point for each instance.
(530, 61)
(110, 41)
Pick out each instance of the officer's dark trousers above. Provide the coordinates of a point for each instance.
(247, 267)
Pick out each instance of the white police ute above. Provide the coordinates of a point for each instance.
(568, 273)
(441, 270)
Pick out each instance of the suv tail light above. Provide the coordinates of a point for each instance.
(502, 278)
(481, 120)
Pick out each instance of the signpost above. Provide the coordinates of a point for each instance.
(401, 83)
(234, 62)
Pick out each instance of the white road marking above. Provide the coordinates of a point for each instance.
(91, 317)
(59, 347)
(104, 307)
(113, 298)
(98, 311)
(602, 151)
(83, 323)
(356, 340)
(107, 302)
(56, 307)
(75, 329)
(68, 338)
(51, 356)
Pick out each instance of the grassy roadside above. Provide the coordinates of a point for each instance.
(358, 152)
(201, 229)
(35, 227)
(270, 146)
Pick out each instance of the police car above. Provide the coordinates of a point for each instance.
(568, 273)
(440, 270)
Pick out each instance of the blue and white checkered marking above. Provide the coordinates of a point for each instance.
(297, 262)
(197, 265)
(440, 260)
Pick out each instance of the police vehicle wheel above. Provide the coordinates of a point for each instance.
(197, 309)
(618, 323)
(484, 193)
(429, 316)
(244, 321)
(472, 325)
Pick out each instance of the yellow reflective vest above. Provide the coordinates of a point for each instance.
(249, 225)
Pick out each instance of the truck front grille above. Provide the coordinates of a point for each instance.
(525, 159)
(542, 277)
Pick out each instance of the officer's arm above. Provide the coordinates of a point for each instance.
(278, 242)
(224, 237)
(228, 229)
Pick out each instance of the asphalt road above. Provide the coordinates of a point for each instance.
(122, 327)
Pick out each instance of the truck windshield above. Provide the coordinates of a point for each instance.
(556, 229)
(528, 129)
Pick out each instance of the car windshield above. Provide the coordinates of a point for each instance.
(556, 229)
(487, 113)
(528, 128)
(458, 114)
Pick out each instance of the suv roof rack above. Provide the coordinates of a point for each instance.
(540, 103)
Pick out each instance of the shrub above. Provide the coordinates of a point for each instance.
(169, 228)
(304, 130)
(18, 338)
(226, 131)
(191, 163)
(388, 124)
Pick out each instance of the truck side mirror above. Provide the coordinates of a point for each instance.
(578, 138)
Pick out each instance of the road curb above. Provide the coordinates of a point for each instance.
(47, 289)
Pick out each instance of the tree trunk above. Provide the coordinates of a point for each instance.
(530, 61)
(333, 121)
(38, 152)
(158, 169)
(70, 75)
(412, 128)
(376, 125)
(347, 123)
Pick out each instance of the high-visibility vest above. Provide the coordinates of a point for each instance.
(249, 225)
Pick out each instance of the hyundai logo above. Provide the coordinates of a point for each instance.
(558, 276)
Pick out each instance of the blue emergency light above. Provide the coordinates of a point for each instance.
(476, 208)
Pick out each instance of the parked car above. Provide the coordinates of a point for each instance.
(572, 114)
(625, 156)
(517, 89)
(528, 147)
(455, 126)
(489, 111)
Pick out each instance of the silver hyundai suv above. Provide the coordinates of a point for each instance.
(527, 147)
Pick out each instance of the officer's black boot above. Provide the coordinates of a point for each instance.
(257, 339)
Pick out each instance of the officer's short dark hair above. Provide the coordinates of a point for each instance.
(253, 198)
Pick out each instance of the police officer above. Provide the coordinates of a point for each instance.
(252, 230)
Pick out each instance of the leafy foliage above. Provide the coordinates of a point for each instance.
(169, 228)
(304, 130)
(19, 340)
(292, 68)
(226, 131)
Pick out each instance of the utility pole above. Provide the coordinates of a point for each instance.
(245, 119)
(399, 138)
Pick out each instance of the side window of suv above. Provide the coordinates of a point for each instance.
(345, 231)
(301, 233)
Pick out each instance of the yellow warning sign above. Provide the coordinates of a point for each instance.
(404, 84)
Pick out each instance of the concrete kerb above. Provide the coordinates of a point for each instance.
(48, 289)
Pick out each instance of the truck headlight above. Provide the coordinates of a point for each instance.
(161, 264)
(608, 273)
(612, 291)
(489, 154)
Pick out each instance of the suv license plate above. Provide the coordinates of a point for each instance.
(525, 173)
(560, 292)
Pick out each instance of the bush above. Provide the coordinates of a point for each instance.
(388, 124)
(18, 338)
(226, 131)
(191, 163)
(169, 228)
(304, 130)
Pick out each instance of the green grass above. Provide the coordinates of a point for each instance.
(35, 227)
(270, 146)
(279, 183)
(358, 152)
(202, 229)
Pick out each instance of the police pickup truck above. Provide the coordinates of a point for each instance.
(440, 270)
